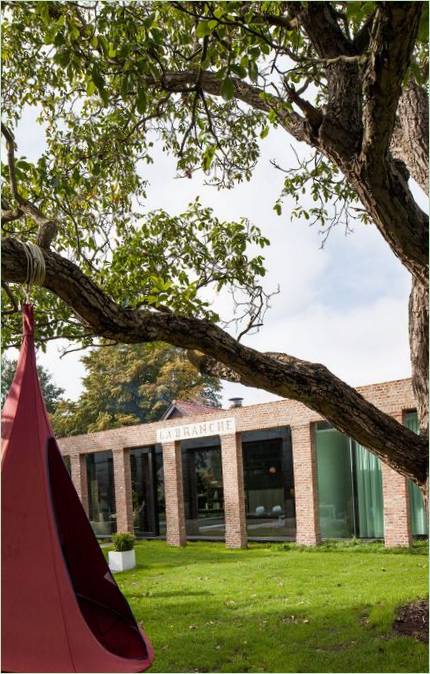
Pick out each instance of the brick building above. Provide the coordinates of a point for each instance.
(272, 471)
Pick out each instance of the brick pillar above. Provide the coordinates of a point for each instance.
(78, 470)
(305, 485)
(234, 491)
(123, 494)
(174, 494)
(397, 516)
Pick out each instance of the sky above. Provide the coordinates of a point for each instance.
(345, 305)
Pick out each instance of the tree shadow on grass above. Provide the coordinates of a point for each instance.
(215, 638)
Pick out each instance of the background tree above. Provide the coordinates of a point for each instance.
(132, 384)
(207, 80)
(52, 393)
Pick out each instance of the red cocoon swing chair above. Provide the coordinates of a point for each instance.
(62, 611)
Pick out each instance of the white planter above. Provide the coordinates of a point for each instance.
(122, 561)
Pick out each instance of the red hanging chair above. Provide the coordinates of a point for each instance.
(62, 611)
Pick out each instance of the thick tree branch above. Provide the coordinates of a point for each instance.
(320, 21)
(47, 226)
(392, 41)
(253, 96)
(410, 140)
(284, 375)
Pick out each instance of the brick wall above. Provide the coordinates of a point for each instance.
(305, 485)
(234, 491)
(392, 397)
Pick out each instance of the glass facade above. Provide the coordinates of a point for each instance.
(159, 482)
(349, 486)
(147, 482)
(269, 484)
(143, 488)
(419, 522)
(335, 489)
(203, 491)
(101, 493)
(369, 495)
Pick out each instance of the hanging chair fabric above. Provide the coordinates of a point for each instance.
(62, 610)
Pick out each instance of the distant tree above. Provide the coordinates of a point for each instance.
(130, 384)
(52, 394)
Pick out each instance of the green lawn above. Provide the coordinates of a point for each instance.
(276, 608)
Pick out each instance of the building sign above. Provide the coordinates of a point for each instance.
(198, 430)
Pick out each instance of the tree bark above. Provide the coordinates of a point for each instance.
(289, 377)
(410, 140)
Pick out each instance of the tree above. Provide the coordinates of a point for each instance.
(208, 79)
(131, 385)
(53, 395)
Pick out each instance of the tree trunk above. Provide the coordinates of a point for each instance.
(410, 143)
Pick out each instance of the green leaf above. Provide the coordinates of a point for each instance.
(264, 132)
(203, 29)
(227, 89)
(91, 87)
(277, 208)
(141, 101)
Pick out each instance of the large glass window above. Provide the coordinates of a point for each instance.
(349, 486)
(269, 487)
(159, 481)
(335, 488)
(419, 522)
(101, 493)
(369, 499)
(203, 492)
(143, 486)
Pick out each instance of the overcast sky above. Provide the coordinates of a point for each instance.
(344, 305)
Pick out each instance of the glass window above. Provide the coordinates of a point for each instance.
(349, 486)
(161, 503)
(269, 488)
(335, 486)
(369, 500)
(101, 493)
(143, 491)
(203, 492)
(418, 514)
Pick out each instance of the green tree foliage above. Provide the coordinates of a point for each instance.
(206, 81)
(132, 384)
(53, 395)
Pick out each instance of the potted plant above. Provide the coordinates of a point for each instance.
(123, 557)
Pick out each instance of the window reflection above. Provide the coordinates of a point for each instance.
(101, 493)
(269, 488)
(203, 492)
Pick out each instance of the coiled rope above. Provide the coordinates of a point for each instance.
(36, 269)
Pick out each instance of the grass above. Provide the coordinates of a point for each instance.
(277, 607)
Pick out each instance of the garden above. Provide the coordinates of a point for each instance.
(277, 607)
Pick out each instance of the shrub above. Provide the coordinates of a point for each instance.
(123, 541)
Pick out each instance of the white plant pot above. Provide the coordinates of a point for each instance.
(122, 561)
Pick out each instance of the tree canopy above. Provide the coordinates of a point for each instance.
(132, 384)
(207, 81)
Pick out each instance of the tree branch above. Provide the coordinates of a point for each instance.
(253, 96)
(311, 383)
(47, 226)
(391, 44)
